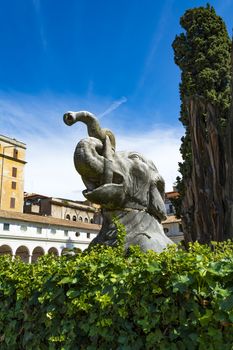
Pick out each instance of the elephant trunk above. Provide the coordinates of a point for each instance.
(91, 157)
(89, 162)
(93, 127)
(94, 161)
(108, 161)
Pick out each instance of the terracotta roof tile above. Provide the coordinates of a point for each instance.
(172, 194)
(171, 219)
(46, 220)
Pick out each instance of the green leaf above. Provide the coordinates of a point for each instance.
(154, 267)
(206, 318)
(66, 280)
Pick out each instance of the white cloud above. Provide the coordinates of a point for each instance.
(50, 168)
(161, 145)
(50, 143)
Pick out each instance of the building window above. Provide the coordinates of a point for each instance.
(23, 228)
(86, 220)
(74, 218)
(39, 229)
(77, 234)
(67, 217)
(80, 219)
(6, 227)
(15, 153)
(88, 235)
(180, 228)
(13, 185)
(92, 221)
(166, 230)
(12, 203)
(14, 172)
(171, 209)
(53, 230)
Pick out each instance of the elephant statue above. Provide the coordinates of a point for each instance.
(126, 185)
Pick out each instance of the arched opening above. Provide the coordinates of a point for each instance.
(92, 221)
(23, 253)
(77, 250)
(64, 251)
(37, 252)
(80, 219)
(68, 251)
(166, 230)
(86, 220)
(67, 216)
(74, 218)
(53, 251)
(5, 249)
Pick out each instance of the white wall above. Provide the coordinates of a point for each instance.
(32, 235)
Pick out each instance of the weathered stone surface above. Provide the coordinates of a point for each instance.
(125, 184)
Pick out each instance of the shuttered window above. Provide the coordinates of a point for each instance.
(12, 203)
(14, 172)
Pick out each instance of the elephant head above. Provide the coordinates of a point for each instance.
(115, 180)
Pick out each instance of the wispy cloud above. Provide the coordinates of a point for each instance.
(113, 107)
(37, 7)
(50, 143)
(158, 36)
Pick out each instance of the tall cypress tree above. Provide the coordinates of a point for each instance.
(202, 52)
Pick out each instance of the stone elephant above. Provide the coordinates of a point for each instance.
(125, 184)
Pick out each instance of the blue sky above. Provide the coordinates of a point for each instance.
(113, 58)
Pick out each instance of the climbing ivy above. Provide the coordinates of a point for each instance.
(105, 300)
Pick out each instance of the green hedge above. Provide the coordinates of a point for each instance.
(103, 300)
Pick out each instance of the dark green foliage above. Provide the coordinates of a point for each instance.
(202, 52)
(103, 300)
(203, 55)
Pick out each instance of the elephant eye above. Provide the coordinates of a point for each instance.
(134, 156)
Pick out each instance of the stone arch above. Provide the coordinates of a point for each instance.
(86, 220)
(74, 218)
(80, 219)
(5, 250)
(23, 252)
(36, 253)
(67, 216)
(53, 251)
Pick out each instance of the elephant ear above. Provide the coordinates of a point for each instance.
(156, 206)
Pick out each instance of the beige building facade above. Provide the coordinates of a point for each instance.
(60, 208)
(12, 162)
